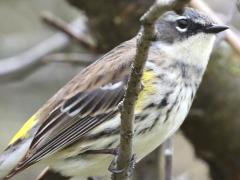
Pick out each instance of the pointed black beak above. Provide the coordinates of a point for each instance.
(214, 28)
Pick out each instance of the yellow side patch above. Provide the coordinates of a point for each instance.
(23, 132)
(148, 78)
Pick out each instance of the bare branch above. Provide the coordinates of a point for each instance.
(227, 20)
(231, 37)
(231, 13)
(168, 158)
(238, 5)
(71, 58)
(18, 66)
(134, 83)
(59, 24)
(149, 167)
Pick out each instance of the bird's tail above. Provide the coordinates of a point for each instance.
(49, 174)
(11, 157)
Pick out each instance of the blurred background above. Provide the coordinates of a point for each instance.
(206, 148)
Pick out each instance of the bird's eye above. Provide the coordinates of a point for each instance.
(182, 25)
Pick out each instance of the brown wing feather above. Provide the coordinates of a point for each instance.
(84, 103)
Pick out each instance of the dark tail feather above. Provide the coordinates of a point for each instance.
(49, 174)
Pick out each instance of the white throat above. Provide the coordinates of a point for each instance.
(194, 51)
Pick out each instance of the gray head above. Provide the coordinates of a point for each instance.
(172, 27)
(188, 37)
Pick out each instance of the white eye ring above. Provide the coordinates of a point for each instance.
(180, 29)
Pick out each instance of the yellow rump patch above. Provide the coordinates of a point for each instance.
(148, 78)
(23, 132)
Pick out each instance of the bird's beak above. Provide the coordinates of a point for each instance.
(214, 28)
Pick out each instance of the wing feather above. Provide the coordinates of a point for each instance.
(65, 128)
(69, 136)
(90, 99)
(110, 98)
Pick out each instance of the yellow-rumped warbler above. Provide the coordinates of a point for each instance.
(84, 114)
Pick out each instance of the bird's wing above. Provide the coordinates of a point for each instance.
(90, 99)
(75, 118)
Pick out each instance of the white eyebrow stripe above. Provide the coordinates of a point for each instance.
(182, 17)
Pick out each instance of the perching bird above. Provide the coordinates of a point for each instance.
(84, 114)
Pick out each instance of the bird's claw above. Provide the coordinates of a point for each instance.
(112, 167)
(132, 165)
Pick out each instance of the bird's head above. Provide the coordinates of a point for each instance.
(189, 35)
(173, 27)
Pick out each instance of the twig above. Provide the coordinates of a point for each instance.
(19, 65)
(59, 24)
(149, 167)
(71, 58)
(231, 13)
(226, 20)
(238, 5)
(134, 83)
(231, 37)
(168, 157)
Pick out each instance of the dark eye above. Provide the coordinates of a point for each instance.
(182, 25)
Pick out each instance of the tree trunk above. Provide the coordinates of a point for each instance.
(119, 23)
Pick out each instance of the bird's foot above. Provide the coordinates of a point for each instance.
(114, 170)
(112, 167)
